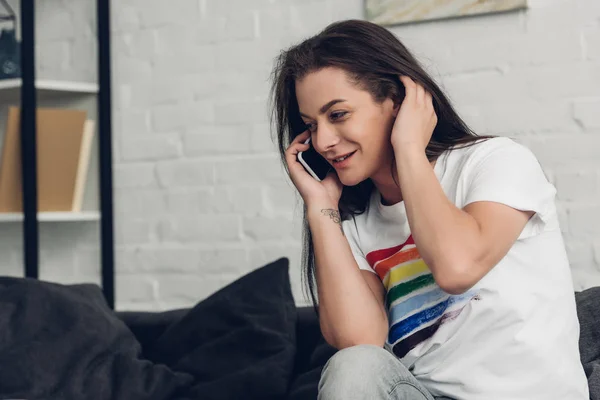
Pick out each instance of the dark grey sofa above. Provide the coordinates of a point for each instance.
(312, 352)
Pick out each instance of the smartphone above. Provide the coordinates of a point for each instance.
(314, 163)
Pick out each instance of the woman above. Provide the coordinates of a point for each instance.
(449, 277)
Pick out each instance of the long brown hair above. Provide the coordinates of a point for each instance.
(374, 59)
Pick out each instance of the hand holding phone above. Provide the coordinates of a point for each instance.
(317, 166)
(319, 187)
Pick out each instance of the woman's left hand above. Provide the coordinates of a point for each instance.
(416, 119)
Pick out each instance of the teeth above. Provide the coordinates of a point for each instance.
(342, 158)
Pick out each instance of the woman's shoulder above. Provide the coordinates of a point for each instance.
(484, 146)
(499, 148)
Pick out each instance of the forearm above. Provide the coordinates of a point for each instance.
(445, 235)
(350, 312)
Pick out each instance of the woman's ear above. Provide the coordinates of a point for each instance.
(396, 107)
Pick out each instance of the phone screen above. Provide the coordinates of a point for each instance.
(314, 163)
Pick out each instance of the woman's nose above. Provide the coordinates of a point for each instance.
(325, 138)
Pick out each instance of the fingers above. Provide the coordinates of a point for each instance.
(299, 141)
(420, 94)
(301, 138)
(409, 87)
(416, 92)
(297, 146)
(428, 100)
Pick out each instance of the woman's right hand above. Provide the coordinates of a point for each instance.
(326, 193)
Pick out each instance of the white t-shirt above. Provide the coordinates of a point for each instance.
(512, 336)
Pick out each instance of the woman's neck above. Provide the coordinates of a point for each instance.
(388, 185)
(388, 188)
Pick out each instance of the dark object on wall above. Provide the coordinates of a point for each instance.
(10, 49)
(10, 55)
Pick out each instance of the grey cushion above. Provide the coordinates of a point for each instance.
(588, 310)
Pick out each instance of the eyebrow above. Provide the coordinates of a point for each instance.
(326, 107)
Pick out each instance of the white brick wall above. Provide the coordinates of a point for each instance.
(200, 197)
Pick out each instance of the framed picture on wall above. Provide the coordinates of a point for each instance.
(394, 12)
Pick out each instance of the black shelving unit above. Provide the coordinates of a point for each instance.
(28, 145)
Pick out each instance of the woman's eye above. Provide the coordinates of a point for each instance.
(337, 115)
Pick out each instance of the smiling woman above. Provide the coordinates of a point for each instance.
(450, 264)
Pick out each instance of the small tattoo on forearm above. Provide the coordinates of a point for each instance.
(334, 215)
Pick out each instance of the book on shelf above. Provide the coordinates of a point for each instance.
(64, 140)
(83, 165)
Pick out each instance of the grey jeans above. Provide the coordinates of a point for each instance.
(369, 372)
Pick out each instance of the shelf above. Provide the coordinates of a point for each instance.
(10, 89)
(54, 216)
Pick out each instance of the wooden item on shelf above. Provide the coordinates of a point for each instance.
(83, 165)
(60, 144)
(10, 165)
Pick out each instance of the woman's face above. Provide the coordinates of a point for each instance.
(347, 126)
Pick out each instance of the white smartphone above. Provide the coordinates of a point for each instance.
(314, 163)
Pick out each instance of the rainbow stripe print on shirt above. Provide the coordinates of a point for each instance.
(416, 305)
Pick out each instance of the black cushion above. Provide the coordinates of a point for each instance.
(147, 326)
(588, 311)
(64, 342)
(240, 342)
(308, 333)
